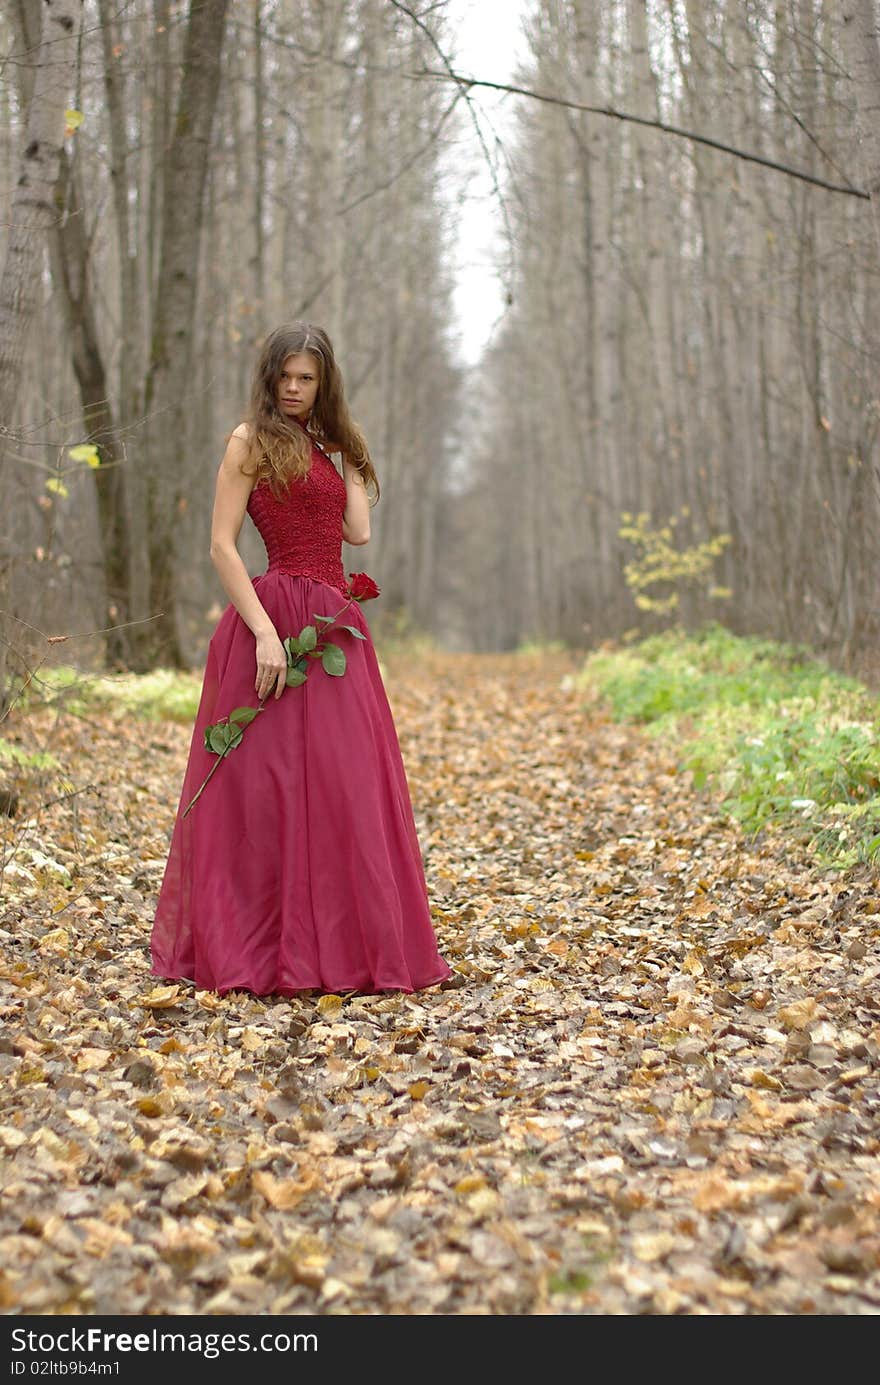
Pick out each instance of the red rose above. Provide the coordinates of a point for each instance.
(361, 587)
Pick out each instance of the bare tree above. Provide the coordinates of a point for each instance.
(33, 210)
(698, 326)
(317, 189)
(862, 53)
(167, 391)
(47, 62)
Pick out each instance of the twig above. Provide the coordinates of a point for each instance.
(613, 114)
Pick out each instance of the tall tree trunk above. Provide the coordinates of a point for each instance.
(126, 234)
(862, 52)
(32, 214)
(33, 209)
(166, 392)
(70, 263)
(259, 156)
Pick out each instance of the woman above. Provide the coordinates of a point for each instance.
(298, 866)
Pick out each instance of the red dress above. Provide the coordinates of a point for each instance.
(299, 868)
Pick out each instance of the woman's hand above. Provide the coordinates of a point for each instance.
(271, 665)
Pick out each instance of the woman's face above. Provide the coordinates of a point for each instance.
(298, 385)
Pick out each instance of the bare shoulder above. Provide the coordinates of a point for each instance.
(237, 453)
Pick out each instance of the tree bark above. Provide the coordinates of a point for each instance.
(33, 210)
(70, 263)
(862, 52)
(167, 385)
(32, 213)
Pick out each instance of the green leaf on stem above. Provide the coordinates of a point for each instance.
(333, 660)
(359, 633)
(308, 637)
(295, 677)
(291, 648)
(243, 716)
(217, 738)
(314, 617)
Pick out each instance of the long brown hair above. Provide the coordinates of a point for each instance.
(280, 450)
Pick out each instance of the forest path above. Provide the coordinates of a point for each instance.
(652, 1088)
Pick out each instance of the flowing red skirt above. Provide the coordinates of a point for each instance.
(299, 868)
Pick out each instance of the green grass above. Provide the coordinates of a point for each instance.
(163, 695)
(570, 1282)
(12, 754)
(779, 736)
(397, 634)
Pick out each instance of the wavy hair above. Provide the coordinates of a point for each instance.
(279, 449)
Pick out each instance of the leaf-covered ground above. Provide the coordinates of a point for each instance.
(654, 1086)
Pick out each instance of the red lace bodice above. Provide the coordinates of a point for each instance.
(302, 530)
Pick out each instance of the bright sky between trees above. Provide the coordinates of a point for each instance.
(487, 42)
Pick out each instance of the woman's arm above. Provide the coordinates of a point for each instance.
(230, 504)
(356, 520)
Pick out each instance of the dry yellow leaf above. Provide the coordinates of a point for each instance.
(77, 1115)
(334, 1288)
(765, 1117)
(101, 1237)
(330, 1004)
(283, 1193)
(854, 1075)
(484, 1202)
(160, 997)
(654, 1246)
(715, 1193)
(182, 1190)
(159, 1105)
(308, 1269)
(472, 1184)
(700, 907)
(542, 1129)
(54, 1145)
(758, 1078)
(57, 940)
(419, 1090)
(799, 1014)
(11, 1138)
(92, 1059)
(683, 1015)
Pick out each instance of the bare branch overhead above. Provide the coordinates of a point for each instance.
(610, 112)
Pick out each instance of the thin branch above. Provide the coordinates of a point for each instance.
(793, 115)
(609, 111)
(613, 114)
(31, 674)
(408, 163)
(465, 85)
(51, 803)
